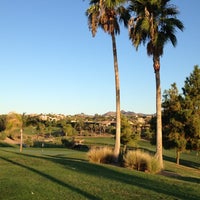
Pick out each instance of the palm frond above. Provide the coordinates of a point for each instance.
(107, 14)
(157, 24)
(124, 15)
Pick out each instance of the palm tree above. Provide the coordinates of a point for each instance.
(155, 22)
(107, 14)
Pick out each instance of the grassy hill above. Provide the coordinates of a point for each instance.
(58, 173)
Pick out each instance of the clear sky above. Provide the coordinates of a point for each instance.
(50, 63)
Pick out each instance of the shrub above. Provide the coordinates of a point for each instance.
(141, 161)
(67, 142)
(101, 155)
(29, 142)
(155, 166)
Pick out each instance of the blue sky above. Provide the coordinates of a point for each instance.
(50, 63)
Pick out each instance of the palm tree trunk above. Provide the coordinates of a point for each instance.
(117, 88)
(159, 154)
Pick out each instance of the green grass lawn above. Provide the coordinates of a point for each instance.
(99, 141)
(64, 174)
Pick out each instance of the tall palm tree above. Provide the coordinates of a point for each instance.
(155, 22)
(107, 14)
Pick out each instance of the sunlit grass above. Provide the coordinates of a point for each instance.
(99, 141)
(67, 174)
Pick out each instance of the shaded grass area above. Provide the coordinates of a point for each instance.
(189, 159)
(4, 144)
(67, 174)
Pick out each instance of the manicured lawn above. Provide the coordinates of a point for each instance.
(63, 174)
(99, 141)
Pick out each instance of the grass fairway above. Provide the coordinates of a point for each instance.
(64, 174)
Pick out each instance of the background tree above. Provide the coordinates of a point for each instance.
(107, 14)
(69, 130)
(191, 92)
(173, 121)
(128, 136)
(2, 127)
(41, 128)
(79, 126)
(49, 127)
(155, 23)
(16, 122)
(2, 122)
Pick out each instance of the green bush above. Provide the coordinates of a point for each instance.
(101, 155)
(29, 142)
(141, 161)
(67, 142)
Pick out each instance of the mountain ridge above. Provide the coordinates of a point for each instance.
(127, 113)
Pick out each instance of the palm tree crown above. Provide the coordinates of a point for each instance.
(107, 14)
(155, 23)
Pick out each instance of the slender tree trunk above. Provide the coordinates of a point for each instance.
(21, 140)
(159, 153)
(124, 148)
(177, 156)
(117, 88)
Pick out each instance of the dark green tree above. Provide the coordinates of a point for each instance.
(155, 23)
(79, 126)
(173, 121)
(191, 92)
(69, 130)
(128, 137)
(2, 122)
(41, 129)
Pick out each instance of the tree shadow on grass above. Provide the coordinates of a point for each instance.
(173, 175)
(190, 179)
(102, 171)
(192, 164)
(4, 144)
(82, 166)
(53, 179)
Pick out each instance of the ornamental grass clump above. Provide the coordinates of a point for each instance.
(101, 155)
(141, 161)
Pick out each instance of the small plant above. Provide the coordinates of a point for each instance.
(101, 155)
(141, 161)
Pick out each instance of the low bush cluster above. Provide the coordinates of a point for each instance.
(74, 143)
(134, 159)
(141, 161)
(101, 155)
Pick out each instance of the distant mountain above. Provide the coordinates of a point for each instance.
(126, 113)
(110, 113)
